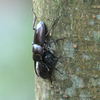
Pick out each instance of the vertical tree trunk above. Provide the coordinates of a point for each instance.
(79, 20)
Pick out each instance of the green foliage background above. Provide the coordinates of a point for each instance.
(16, 65)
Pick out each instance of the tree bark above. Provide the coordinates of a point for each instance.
(79, 21)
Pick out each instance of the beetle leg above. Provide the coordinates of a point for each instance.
(46, 66)
(55, 58)
(50, 76)
(58, 70)
(54, 62)
(57, 40)
(58, 59)
(51, 27)
(50, 79)
(35, 68)
(34, 19)
(45, 43)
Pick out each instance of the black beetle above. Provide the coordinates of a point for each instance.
(39, 41)
(43, 58)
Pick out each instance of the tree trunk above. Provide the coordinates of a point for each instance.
(79, 21)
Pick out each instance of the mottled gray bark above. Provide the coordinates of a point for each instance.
(79, 20)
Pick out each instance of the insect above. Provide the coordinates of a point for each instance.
(39, 41)
(43, 58)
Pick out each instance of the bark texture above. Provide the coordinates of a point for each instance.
(79, 20)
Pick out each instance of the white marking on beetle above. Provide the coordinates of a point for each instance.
(39, 25)
(37, 63)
